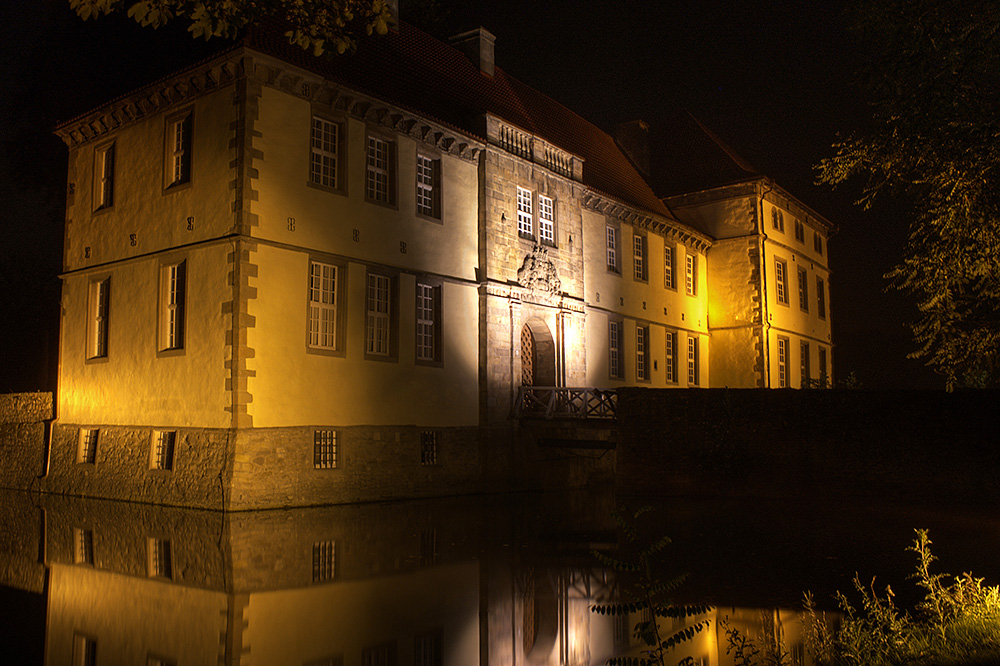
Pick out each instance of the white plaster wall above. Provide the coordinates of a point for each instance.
(326, 221)
(135, 385)
(294, 387)
(734, 357)
(156, 217)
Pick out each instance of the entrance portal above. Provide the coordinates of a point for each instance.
(538, 355)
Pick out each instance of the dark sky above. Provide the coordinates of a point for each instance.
(774, 80)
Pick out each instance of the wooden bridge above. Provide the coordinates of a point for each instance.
(559, 402)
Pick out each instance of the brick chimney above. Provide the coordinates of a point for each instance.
(477, 45)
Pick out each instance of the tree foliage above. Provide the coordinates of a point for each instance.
(318, 25)
(934, 76)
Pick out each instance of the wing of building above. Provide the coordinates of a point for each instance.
(294, 280)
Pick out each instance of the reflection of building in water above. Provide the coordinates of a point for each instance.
(293, 281)
(428, 583)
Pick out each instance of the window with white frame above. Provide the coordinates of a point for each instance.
(805, 375)
(324, 449)
(159, 561)
(324, 157)
(639, 257)
(377, 318)
(104, 176)
(178, 154)
(690, 274)
(87, 446)
(428, 448)
(803, 289)
(428, 186)
(670, 367)
(782, 362)
(546, 220)
(173, 291)
(83, 546)
(324, 561)
(642, 352)
(162, 455)
(781, 281)
(525, 218)
(99, 308)
(820, 298)
(615, 369)
(428, 314)
(612, 244)
(323, 305)
(379, 171)
(668, 267)
(692, 360)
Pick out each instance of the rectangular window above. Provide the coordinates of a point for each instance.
(820, 298)
(427, 649)
(428, 322)
(612, 237)
(525, 220)
(690, 274)
(325, 449)
(642, 352)
(163, 449)
(324, 561)
(777, 220)
(817, 242)
(178, 158)
(84, 650)
(173, 289)
(377, 316)
(380, 171)
(87, 449)
(428, 448)
(379, 655)
(322, 305)
(800, 232)
(615, 369)
(104, 176)
(781, 281)
(428, 186)
(803, 289)
(782, 362)
(692, 361)
(671, 357)
(824, 377)
(97, 334)
(83, 546)
(639, 256)
(805, 375)
(546, 220)
(159, 561)
(324, 161)
(668, 267)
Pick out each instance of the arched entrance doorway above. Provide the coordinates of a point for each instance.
(538, 355)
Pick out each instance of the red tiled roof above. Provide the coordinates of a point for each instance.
(412, 69)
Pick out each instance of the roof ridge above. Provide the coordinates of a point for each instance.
(723, 146)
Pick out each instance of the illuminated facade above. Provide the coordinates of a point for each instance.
(291, 280)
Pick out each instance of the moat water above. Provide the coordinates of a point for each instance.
(504, 579)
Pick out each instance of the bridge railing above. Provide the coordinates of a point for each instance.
(559, 402)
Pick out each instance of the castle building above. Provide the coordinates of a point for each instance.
(291, 280)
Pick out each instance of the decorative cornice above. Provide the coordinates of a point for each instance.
(152, 99)
(605, 205)
(531, 147)
(280, 75)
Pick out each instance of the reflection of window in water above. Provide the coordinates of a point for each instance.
(428, 546)
(530, 630)
(336, 660)
(84, 546)
(379, 655)
(427, 649)
(324, 560)
(159, 558)
(84, 650)
(152, 660)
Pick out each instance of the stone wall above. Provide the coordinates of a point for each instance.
(912, 445)
(23, 434)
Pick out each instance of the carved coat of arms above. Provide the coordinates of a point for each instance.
(539, 275)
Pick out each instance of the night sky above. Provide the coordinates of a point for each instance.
(774, 80)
